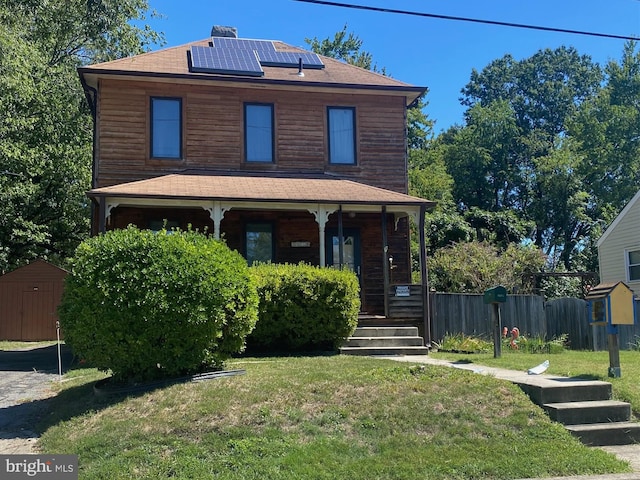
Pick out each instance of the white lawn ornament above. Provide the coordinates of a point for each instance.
(539, 369)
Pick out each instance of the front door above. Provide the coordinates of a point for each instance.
(350, 253)
(350, 250)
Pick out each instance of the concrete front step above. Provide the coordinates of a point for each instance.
(384, 350)
(600, 411)
(385, 332)
(385, 340)
(600, 434)
(397, 341)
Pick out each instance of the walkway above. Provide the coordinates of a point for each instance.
(629, 453)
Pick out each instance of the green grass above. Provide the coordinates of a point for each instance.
(317, 418)
(570, 363)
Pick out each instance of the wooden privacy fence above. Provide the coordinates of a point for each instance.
(466, 313)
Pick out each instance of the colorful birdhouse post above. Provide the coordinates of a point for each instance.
(495, 296)
(610, 305)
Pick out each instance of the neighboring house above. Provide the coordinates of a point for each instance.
(29, 299)
(619, 248)
(287, 155)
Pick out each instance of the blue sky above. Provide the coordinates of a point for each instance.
(438, 54)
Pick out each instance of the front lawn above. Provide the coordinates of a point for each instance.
(333, 417)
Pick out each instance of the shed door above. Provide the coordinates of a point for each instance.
(38, 316)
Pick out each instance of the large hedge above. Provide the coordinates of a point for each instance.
(148, 305)
(304, 307)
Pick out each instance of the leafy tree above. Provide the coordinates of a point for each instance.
(46, 128)
(543, 90)
(428, 177)
(501, 228)
(510, 154)
(482, 158)
(344, 46)
(563, 205)
(419, 125)
(606, 134)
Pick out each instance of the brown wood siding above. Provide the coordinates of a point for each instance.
(294, 226)
(29, 297)
(214, 138)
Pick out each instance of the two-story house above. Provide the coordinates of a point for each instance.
(286, 155)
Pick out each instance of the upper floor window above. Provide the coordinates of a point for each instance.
(258, 132)
(633, 265)
(342, 135)
(166, 127)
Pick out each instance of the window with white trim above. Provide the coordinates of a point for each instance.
(633, 265)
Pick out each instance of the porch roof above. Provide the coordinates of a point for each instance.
(258, 188)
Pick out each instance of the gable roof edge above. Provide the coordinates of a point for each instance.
(618, 219)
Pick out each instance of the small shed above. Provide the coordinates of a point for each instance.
(29, 298)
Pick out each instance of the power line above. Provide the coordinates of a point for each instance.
(465, 19)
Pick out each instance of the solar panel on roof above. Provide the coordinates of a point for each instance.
(224, 60)
(243, 44)
(289, 59)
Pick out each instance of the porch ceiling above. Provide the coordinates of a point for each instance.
(253, 189)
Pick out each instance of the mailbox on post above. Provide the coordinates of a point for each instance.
(495, 296)
(610, 305)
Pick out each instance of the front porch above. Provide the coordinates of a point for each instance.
(321, 220)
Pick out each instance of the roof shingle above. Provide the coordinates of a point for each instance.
(174, 62)
(321, 189)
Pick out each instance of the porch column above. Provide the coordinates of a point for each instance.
(106, 205)
(340, 239)
(217, 214)
(322, 217)
(102, 217)
(423, 278)
(385, 260)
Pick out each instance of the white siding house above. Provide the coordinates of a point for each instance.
(619, 248)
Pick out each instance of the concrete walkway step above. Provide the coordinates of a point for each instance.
(600, 411)
(544, 389)
(599, 434)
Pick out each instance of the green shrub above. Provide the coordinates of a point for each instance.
(147, 305)
(537, 344)
(461, 343)
(304, 307)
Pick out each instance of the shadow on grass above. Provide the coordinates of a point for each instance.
(29, 419)
(43, 359)
(588, 376)
(77, 401)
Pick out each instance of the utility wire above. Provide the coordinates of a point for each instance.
(464, 19)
